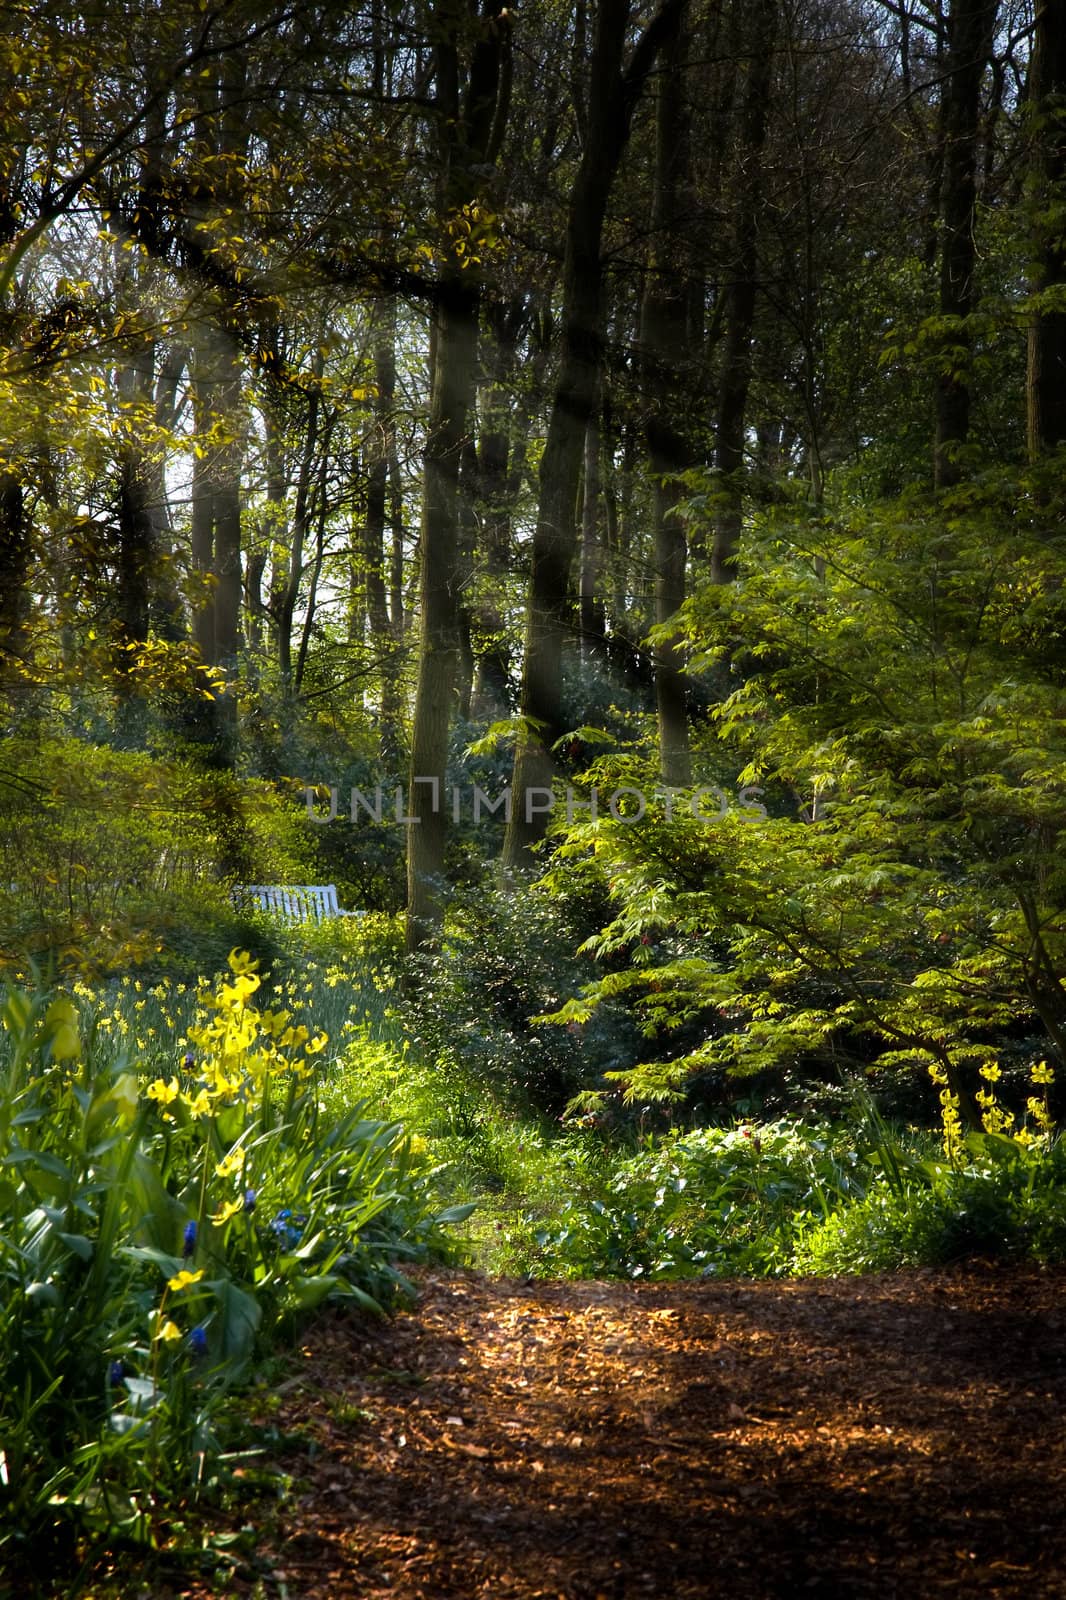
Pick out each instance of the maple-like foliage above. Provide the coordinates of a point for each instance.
(900, 683)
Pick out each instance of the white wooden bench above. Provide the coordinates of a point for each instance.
(293, 902)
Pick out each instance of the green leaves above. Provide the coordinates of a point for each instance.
(905, 897)
(146, 1259)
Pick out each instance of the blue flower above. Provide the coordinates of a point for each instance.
(188, 1240)
(190, 1061)
(198, 1341)
(249, 1199)
(115, 1374)
(287, 1229)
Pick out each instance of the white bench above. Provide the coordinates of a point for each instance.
(293, 902)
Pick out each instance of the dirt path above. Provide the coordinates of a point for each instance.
(899, 1435)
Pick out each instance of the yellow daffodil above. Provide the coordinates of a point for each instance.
(240, 961)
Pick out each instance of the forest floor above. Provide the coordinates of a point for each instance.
(899, 1435)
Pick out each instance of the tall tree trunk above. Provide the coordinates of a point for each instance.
(216, 523)
(971, 26)
(15, 563)
(613, 94)
(593, 615)
(380, 449)
(740, 293)
(438, 643)
(466, 561)
(1046, 377)
(664, 338)
(301, 523)
(502, 442)
(470, 129)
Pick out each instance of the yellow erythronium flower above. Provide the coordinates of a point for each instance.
(240, 962)
(165, 1093)
(168, 1332)
(184, 1280)
(1042, 1073)
(230, 1209)
(231, 1164)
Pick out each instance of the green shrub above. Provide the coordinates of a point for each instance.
(715, 1202)
(507, 958)
(1005, 1200)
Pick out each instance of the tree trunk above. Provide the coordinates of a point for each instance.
(216, 525)
(740, 293)
(1046, 377)
(664, 338)
(612, 98)
(438, 652)
(15, 561)
(971, 26)
(470, 128)
(380, 448)
(593, 615)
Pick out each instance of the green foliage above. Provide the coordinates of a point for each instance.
(505, 958)
(157, 1230)
(1005, 1201)
(111, 857)
(717, 1202)
(786, 1198)
(902, 679)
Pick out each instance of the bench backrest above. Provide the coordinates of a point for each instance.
(294, 902)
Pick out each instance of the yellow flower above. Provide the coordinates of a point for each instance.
(240, 962)
(231, 1164)
(62, 1016)
(184, 1280)
(1041, 1073)
(319, 1042)
(200, 1104)
(163, 1092)
(990, 1071)
(230, 1209)
(125, 1092)
(168, 1332)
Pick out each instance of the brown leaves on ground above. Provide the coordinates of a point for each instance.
(889, 1436)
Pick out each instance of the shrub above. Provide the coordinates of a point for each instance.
(1005, 1199)
(505, 959)
(715, 1202)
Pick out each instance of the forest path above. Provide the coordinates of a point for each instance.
(882, 1436)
